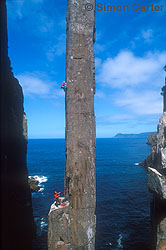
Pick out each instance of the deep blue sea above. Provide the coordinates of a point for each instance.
(123, 199)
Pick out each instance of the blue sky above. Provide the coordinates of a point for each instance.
(130, 53)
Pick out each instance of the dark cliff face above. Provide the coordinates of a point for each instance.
(16, 208)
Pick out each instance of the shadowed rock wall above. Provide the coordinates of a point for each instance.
(16, 209)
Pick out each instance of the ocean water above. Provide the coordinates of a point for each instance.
(123, 200)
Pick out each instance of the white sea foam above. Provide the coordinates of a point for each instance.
(40, 179)
(43, 224)
(136, 164)
(119, 241)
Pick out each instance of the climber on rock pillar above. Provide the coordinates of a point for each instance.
(73, 227)
(80, 135)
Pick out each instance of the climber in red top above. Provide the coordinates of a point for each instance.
(56, 197)
(64, 85)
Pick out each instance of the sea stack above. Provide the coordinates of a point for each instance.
(16, 207)
(80, 184)
(77, 222)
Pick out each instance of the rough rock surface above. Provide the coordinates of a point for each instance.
(157, 183)
(80, 126)
(161, 232)
(157, 158)
(152, 160)
(156, 166)
(80, 184)
(152, 139)
(158, 219)
(16, 208)
(161, 140)
(25, 127)
(34, 184)
(157, 169)
(59, 233)
(163, 93)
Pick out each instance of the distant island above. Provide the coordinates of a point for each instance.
(141, 135)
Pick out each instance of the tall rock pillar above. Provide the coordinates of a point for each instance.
(80, 135)
(73, 227)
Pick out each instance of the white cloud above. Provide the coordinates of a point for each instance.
(100, 94)
(57, 93)
(15, 8)
(34, 15)
(147, 102)
(114, 119)
(45, 23)
(97, 62)
(147, 35)
(38, 85)
(126, 70)
(58, 49)
(33, 85)
(99, 48)
(134, 81)
(20, 8)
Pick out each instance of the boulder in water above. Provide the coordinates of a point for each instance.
(34, 184)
